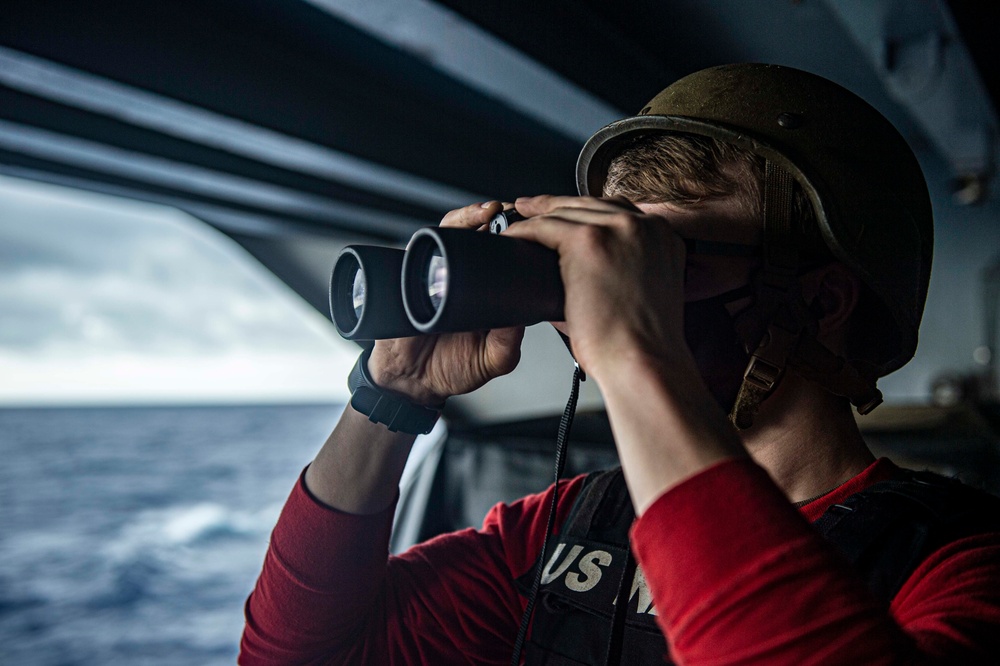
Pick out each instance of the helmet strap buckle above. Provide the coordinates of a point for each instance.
(764, 372)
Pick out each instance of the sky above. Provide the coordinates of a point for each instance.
(106, 300)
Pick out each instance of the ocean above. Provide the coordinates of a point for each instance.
(134, 535)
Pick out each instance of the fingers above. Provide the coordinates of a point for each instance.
(477, 215)
(592, 217)
(541, 205)
(575, 210)
(549, 230)
(548, 215)
(592, 226)
(472, 216)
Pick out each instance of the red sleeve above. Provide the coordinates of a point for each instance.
(328, 593)
(739, 576)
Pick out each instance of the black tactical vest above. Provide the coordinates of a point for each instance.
(885, 531)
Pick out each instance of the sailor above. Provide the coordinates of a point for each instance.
(746, 258)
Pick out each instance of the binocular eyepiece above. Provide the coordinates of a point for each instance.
(446, 280)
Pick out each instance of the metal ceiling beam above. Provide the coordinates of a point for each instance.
(477, 58)
(227, 219)
(293, 69)
(66, 85)
(620, 53)
(195, 180)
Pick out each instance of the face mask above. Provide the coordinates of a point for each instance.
(718, 351)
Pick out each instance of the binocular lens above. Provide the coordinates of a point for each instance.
(358, 292)
(437, 279)
(425, 279)
(464, 280)
(365, 298)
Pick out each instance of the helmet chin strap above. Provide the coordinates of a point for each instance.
(779, 328)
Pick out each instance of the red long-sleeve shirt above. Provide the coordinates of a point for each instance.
(736, 574)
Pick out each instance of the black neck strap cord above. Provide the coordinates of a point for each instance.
(616, 642)
(561, 444)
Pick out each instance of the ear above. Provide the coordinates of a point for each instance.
(832, 291)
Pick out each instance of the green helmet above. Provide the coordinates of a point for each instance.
(866, 187)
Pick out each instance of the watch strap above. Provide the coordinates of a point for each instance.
(396, 413)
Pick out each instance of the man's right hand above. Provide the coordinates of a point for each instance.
(428, 369)
(359, 467)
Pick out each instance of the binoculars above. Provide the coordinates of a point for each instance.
(446, 280)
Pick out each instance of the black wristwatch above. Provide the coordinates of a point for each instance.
(398, 414)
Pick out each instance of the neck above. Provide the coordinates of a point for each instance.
(807, 440)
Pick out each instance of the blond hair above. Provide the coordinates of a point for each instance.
(686, 169)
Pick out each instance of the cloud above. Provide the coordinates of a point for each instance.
(88, 278)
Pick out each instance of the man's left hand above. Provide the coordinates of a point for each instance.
(623, 271)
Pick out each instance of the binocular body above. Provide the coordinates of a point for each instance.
(446, 280)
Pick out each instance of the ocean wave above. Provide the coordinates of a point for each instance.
(189, 525)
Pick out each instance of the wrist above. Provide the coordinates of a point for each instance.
(630, 357)
(390, 374)
(667, 425)
(397, 412)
